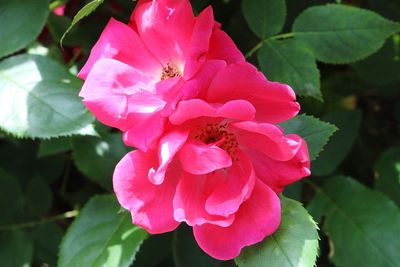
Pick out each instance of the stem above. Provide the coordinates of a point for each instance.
(275, 37)
(282, 36)
(59, 217)
(254, 49)
(74, 58)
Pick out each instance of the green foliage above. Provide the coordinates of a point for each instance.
(39, 197)
(84, 12)
(16, 248)
(54, 146)
(291, 62)
(265, 18)
(348, 123)
(97, 157)
(46, 238)
(382, 68)
(21, 22)
(11, 201)
(44, 103)
(53, 160)
(363, 225)
(295, 243)
(101, 236)
(342, 34)
(315, 132)
(387, 169)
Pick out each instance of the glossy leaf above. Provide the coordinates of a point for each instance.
(348, 123)
(101, 236)
(265, 18)
(290, 62)
(44, 103)
(97, 157)
(387, 170)
(21, 22)
(342, 34)
(362, 224)
(315, 132)
(295, 244)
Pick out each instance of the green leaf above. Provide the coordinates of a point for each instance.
(382, 68)
(341, 143)
(11, 198)
(265, 18)
(387, 171)
(295, 244)
(362, 224)
(46, 238)
(39, 197)
(39, 98)
(186, 252)
(16, 249)
(315, 132)
(97, 157)
(21, 22)
(57, 26)
(84, 12)
(342, 34)
(101, 236)
(54, 146)
(289, 61)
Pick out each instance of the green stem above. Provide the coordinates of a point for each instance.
(275, 37)
(59, 217)
(282, 36)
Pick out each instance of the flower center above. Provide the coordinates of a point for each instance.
(170, 71)
(218, 134)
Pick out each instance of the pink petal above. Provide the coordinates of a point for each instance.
(195, 108)
(237, 186)
(145, 130)
(199, 158)
(273, 101)
(267, 138)
(197, 86)
(195, 54)
(278, 174)
(190, 197)
(169, 145)
(112, 88)
(192, 88)
(150, 205)
(222, 47)
(165, 26)
(257, 218)
(120, 42)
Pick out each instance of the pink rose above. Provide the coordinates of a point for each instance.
(219, 165)
(137, 73)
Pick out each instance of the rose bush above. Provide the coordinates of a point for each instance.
(210, 154)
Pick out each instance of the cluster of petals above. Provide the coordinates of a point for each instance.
(210, 152)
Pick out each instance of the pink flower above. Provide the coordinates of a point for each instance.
(137, 73)
(219, 165)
